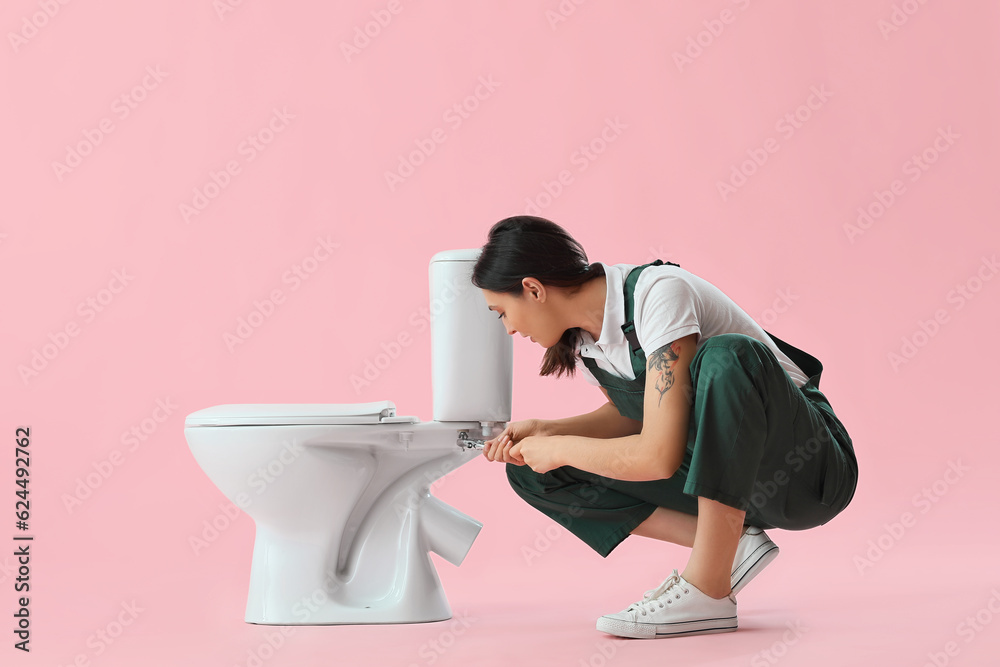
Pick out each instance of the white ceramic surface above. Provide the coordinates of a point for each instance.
(344, 516)
(339, 492)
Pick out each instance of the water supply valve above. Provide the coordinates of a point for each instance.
(489, 430)
(465, 442)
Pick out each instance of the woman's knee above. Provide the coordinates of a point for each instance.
(527, 482)
(516, 475)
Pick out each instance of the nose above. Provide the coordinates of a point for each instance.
(511, 330)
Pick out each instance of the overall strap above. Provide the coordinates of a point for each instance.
(637, 355)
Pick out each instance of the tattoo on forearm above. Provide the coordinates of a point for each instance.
(662, 361)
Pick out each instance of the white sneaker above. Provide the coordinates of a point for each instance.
(673, 608)
(754, 552)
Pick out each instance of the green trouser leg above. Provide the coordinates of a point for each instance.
(756, 442)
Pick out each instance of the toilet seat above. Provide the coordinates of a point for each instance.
(306, 414)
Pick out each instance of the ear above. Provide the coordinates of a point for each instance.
(533, 288)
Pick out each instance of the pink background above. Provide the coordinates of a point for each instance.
(780, 244)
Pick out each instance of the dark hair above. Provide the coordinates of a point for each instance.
(525, 245)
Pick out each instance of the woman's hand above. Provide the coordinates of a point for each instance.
(540, 453)
(499, 448)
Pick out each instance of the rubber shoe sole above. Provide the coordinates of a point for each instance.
(755, 552)
(655, 630)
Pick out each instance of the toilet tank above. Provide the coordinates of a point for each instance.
(472, 355)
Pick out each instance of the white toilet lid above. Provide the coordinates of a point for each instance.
(264, 414)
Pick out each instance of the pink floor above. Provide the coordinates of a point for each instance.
(930, 589)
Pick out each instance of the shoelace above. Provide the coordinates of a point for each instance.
(668, 591)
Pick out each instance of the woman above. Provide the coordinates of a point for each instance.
(714, 428)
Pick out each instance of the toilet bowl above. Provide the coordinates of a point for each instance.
(339, 492)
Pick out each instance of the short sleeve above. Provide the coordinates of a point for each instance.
(668, 310)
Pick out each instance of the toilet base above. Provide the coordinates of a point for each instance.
(414, 595)
(295, 580)
(320, 611)
(330, 614)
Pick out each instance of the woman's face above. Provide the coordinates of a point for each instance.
(529, 314)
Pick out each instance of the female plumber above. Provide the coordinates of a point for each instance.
(714, 429)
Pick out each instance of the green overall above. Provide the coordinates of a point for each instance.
(756, 442)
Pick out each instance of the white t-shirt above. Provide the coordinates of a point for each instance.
(669, 303)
